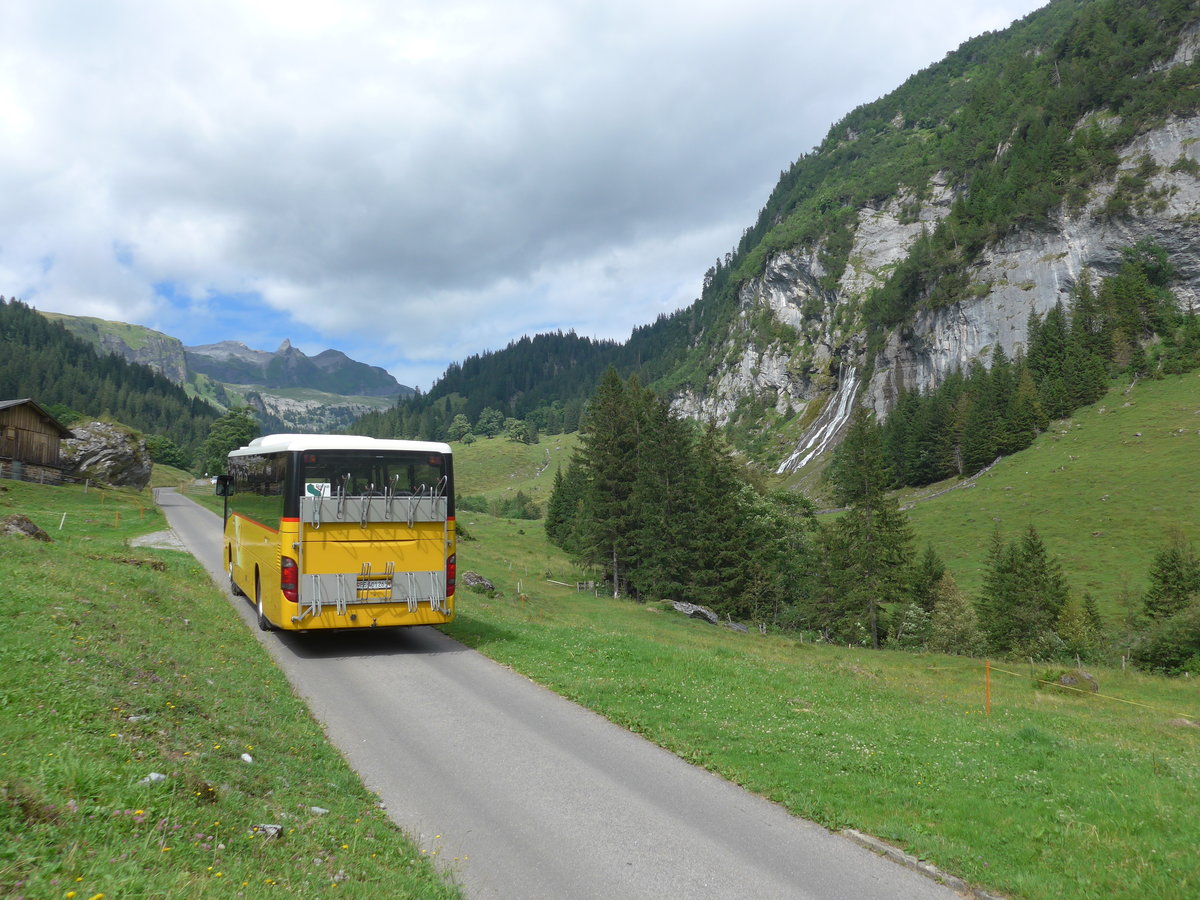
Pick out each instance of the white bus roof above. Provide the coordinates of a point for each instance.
(281, 443)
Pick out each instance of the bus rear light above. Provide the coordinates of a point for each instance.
(451, 573)
(289, 579)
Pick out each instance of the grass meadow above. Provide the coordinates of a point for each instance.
(123, 664)
(1105, 489)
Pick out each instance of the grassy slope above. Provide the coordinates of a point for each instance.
(1052, 795)
(498, 468)
(92, 329)
(119, 662)
(1104, 489)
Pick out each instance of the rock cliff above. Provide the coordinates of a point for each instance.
(814, 372)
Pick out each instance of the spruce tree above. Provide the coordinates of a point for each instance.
(608, 455)
(873, 539)
(925, 578)
(1025, 417)
(1024, 595)
(1174, 579)
(859, 469)
(663, 499)
(721, 544)
(954, 624)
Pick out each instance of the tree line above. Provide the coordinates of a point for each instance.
(665, 511)
(973, 417)
(40, 359)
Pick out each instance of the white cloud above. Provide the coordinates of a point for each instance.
(416, 182)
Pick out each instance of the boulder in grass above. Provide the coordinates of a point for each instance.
(23, 525)
(695, 611)
(1080, 680)
(476, 582)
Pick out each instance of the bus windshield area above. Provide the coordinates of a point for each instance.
(346, 473)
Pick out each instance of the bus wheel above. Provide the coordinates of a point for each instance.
(237, 591)
(263, 622)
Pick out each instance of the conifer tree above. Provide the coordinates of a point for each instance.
(859, 469)
(926, 576)
(1025, 417)
(1174, 579)
(608, 455)
(1079, 636)
(954, 624)
(1024, 594)
(982, 423)
(872, 547)
(664, 501)
(721, 545)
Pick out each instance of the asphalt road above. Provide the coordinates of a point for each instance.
(522, 794)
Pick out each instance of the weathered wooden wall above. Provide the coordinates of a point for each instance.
(26, 437)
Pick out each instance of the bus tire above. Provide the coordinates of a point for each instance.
(264, 623)
(233, 586)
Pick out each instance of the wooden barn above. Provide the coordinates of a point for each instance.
(29, 441)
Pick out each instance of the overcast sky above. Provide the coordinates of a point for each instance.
(413, 182)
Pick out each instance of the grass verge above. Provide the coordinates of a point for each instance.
(1055, 794)
(122, 665)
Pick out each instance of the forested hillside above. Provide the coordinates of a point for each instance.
(39, 359)
(543, 380)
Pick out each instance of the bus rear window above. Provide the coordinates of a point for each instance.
(350, 473)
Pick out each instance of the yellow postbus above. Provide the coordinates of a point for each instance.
(328, 532)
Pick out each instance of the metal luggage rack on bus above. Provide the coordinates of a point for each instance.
(426, 504)
(341, 590)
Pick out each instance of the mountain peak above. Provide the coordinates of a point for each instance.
(285, 346)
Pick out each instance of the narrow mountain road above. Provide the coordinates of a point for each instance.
(522, 794)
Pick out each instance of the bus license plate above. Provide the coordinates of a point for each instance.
(374, 584)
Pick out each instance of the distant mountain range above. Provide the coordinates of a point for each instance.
(289, 389)
(232, 362)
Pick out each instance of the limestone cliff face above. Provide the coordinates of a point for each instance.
(1031, 271)
(137, 344)
(1028, 273)
(159, 351)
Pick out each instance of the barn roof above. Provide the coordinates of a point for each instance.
(63, 430)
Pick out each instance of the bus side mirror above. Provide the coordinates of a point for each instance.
(224, 486)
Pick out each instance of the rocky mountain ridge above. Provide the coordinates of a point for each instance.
(817, 358)
(232, 362)
(289, 389)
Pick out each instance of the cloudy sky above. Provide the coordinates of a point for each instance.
(409, 181)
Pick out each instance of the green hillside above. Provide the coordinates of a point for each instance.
(1103, 488)
(1023, 124)
(42, 360)
(92, 329)
(496, 467)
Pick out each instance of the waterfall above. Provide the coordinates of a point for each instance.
(821, 435)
